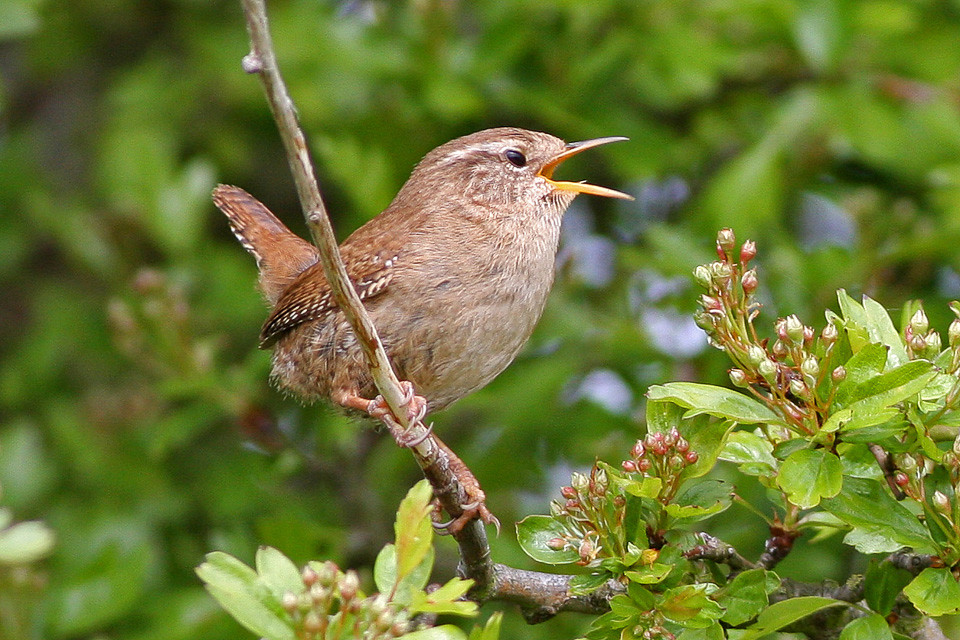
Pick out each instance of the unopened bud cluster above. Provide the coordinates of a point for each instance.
(912, 468)
(589, 503)
(330, 594)
(948, 505)
(788, 372)
(921, 340)
(650, 626)
(660, 454)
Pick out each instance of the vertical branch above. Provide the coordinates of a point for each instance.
(262, 61)
(438, 463)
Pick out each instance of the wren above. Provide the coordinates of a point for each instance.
(455, 273)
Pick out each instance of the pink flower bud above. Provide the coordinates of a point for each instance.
(749, 281)
(557, 544)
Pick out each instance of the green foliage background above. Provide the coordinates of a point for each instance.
(135, 415)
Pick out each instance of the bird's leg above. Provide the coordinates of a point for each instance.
(474, 506)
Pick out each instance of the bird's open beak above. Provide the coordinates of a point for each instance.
(572, 149)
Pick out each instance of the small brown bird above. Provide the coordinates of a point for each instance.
(454, 273)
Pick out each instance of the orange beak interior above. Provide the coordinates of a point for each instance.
(572, 149)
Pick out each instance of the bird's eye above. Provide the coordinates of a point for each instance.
(516, 158)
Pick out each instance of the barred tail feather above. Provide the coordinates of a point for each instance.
(281, 255)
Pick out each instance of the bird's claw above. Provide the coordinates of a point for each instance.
(416, 410)
(476, 510)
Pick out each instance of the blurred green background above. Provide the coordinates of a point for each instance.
(136, 418)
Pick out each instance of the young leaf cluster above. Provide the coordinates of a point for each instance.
(278, 601)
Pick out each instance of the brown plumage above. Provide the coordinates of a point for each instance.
(454, 273)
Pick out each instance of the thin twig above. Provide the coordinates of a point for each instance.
(720, 552)
(889, 469)
(431, 454)
(262, 61)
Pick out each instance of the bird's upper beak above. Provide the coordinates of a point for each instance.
(572, 149)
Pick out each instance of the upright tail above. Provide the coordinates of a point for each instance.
(281, 254)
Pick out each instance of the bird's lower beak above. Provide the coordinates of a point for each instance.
(572, 149)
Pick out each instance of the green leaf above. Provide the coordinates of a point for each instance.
(786, 612)
(25, 542)
(869, 323)
(713, 632)
(690, 605)
(753, 454)
(535, 532)
(882, 584)
(385, 574)
(714, 401)
(278, 572)
(238, 590)
(413, 528)
(863, 503)
(446, 600)
(809, 475)
(706, 437)
(858, 461)
(865, 364)
(744, 598)
(385, 568)
(586, 583)
(489, 631)
(935, 592)
(699, 500)
(870, 542)
(662, 415)
(649, 574)
(880, 329)
(873, 398)
(443, 632)
(871, 627)
(871, 401)
(648, 487)
(854, 321)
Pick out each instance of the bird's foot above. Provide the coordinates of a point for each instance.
(416, 409)
(475, 507)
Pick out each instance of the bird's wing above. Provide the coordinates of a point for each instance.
(309, 297)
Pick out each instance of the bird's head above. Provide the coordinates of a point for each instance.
(503, 169)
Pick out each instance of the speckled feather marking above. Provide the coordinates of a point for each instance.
(309, 297)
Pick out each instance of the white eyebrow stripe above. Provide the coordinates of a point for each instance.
(492, 148)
